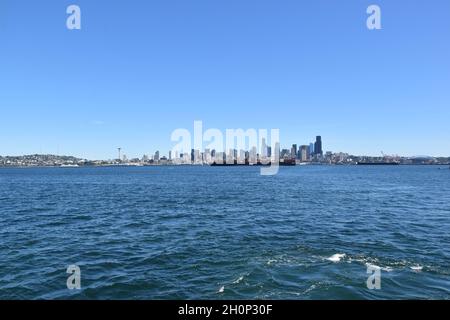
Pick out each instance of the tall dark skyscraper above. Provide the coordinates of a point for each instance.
(318, 146)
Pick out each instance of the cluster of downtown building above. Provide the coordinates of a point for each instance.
(263, 155)
(312, 153)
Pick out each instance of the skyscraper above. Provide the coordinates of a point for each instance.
(304, 156)
(207, 157)
(318, 146)
(263, 148)
(253, 155)
(311, 149)
(197, 157)
(294, 151)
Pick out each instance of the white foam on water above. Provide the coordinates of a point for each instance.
(358, 260)
(417, 268)
(336, 257)
(271, 261)
(222, 289)
(238, 280)
(311, 288)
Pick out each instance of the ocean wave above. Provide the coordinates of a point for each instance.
(336, 257)
(416, 268)
(238, 280)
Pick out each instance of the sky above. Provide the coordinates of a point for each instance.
(138, 70)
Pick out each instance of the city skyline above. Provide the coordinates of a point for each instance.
(164, 153)
(312, 152)
(133, 74)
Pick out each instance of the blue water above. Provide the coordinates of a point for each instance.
(225, 233)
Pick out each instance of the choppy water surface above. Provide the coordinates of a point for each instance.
(225, 233)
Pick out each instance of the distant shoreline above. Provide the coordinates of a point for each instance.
(56, 161)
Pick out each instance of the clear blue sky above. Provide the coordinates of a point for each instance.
(140, 69)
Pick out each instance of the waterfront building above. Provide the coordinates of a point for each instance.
(220, 158)
(304, 153)
(230, 156)
(207, 156)
(241, 157)
(197, 158)
(285, 153)
(253, 155)
(263, 148)
(294, 151)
